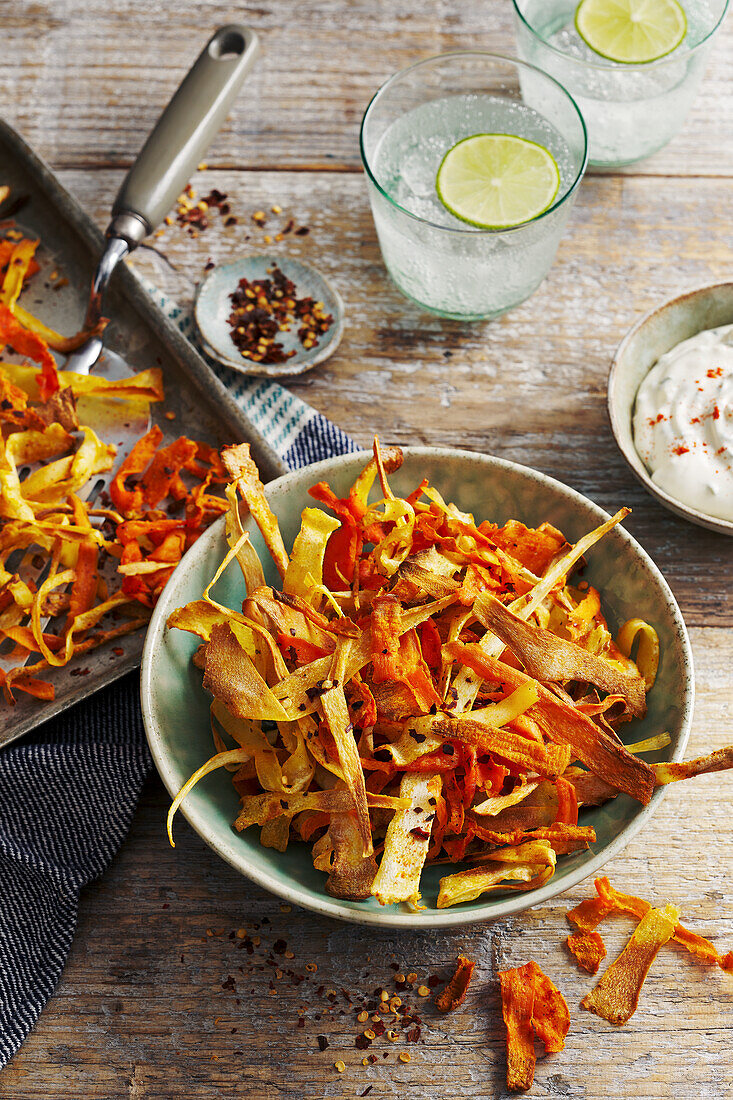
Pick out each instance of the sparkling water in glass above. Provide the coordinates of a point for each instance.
(440, 262)
(631, 111)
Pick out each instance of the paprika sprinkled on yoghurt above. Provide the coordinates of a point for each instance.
(683, 422)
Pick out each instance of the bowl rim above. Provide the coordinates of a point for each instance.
(392, 916)
(615, 415)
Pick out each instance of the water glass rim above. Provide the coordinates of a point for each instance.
(668, 59)
(487, 54)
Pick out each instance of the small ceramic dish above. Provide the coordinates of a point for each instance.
(176, 708)
(652, 336)
(213, 307)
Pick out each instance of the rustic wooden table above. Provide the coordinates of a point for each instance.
(150, 1004)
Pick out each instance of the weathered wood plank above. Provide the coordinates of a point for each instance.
(141, 1011)
(529, 387)
(85, 82)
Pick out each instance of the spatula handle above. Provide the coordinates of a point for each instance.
(183, 133)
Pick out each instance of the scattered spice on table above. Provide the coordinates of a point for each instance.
(263, 308)
(194, 214)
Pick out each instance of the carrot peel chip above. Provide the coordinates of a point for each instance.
(517, 1002)
(611, 899)
(455, 992)
(532, 1007)
(588, 949)
(550, 1016)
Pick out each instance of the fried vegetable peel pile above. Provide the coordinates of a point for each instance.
(417, 689)
(616, 995)
(96, 569)
(533, 1008)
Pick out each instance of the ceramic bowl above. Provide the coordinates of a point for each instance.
(652, 336)
(176, 709)
(212, 308)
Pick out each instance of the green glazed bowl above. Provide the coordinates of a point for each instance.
(176, 708)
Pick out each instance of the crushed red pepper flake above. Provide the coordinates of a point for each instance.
(263, 308)
(194, 214)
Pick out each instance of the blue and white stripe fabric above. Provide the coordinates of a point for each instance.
(68, 790)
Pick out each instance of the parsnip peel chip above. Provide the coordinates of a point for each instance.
(616, 996)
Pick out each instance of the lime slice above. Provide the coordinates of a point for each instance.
(496, 181)
(631, 32)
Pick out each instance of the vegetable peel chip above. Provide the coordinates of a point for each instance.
(383, 665)
(589, 913)
(533, 1008)
(546, 657)
(588, 950)
(62, 557)
(454, 994)
(606, 757)
(616, 996)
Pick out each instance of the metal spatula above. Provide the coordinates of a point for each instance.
(166, 163)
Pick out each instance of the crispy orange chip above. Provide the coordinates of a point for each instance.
(616, 996)
(587, 948)
(409, 654)
(589, 913)
(55, 542)
(550, 1015)
(517, 1002)
(454, 993)
(27, 343)
(598, 750)
(697, 945)
(719, 761)
(533, 1007)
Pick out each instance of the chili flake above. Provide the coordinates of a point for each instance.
(263, 308)
(195, 214)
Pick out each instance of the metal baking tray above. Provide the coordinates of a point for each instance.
(141, 333)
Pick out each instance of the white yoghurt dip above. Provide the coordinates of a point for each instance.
(683, 422)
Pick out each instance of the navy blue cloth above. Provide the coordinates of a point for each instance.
(67, 795)
(68, 792)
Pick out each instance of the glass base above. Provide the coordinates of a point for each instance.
(447, 315)
(612, 165)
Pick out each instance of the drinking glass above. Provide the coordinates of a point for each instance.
(441, 263)
(631, 111)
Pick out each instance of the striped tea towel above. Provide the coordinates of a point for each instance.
(69, 789)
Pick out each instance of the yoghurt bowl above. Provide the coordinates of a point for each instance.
(656, 333)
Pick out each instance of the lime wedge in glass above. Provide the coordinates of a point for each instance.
(631, 32)
(497, 181)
